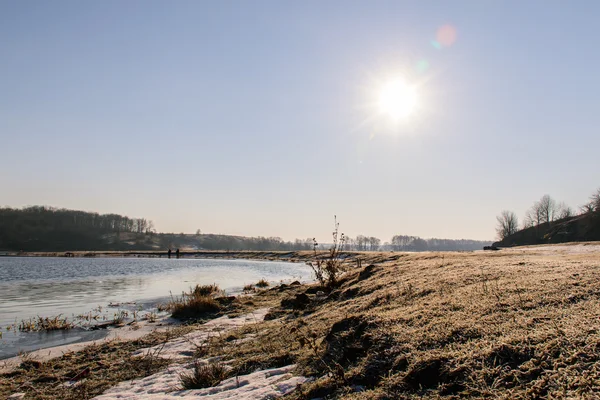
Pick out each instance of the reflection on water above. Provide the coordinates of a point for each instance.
(31, 287)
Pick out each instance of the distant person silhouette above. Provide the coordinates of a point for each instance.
(169, 253)
(177, 253)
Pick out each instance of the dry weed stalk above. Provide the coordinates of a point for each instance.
(328, 270)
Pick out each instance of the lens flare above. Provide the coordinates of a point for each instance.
(422, 66)
(446, 35)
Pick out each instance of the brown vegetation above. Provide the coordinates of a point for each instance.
(262, 284)
(511, 324)
(518, 323)
(199, 302)
(87, 373)
(203, 375)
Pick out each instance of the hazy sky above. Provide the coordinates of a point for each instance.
(258, 117)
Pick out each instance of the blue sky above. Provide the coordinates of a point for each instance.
(257, 118)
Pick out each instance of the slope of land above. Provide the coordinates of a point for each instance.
(517, 323)
(580, 228)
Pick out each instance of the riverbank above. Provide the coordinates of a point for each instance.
(127, 332)
(85, 293)
(287, 256)
(517, 323)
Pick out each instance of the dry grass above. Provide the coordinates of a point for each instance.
(206, 290)
(88, 373)
(520, 323)
(188, 307)
(262, 284)
(203, 375)
(199, 302)
(45, 324)
(512, 324)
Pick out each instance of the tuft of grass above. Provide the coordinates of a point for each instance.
(45, 324)
(198, 302)
(262, 283)
(193, 307)
(206, 290)
(249, 288)
(203, 375)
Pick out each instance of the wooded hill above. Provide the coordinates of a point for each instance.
(545, 223)
(580, 228)
(48, 229)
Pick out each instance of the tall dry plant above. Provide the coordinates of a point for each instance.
(328, 269)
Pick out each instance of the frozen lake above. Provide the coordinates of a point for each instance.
(46, 287)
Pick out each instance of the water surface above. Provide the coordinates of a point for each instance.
(46, 287)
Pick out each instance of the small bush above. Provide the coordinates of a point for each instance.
(249, 288)
(203, 376)
(262, 283)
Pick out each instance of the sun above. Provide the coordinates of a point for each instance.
(397, 99)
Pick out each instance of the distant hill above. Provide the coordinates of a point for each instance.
(580, 228)
(51, 229)
(48, 229)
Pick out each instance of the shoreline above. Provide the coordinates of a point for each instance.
(53, 341)
(130, 331)
(401, 325)
(174, 350)
(209, 254)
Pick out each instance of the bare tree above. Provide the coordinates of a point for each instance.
(350, 243)
(564, 211)
(508, 224)
(150, 228)
(534, 216)
(587, 208)
(593, 205)
(548, 208)
(361, 242)
(374, 243)
(595, 201)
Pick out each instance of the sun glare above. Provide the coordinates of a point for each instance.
(397, 99)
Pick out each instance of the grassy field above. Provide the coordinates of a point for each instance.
(516, 323)
(519, 323)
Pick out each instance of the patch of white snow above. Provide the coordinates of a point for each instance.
(185, 346)
(165, 385)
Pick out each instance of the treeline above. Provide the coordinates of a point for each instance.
(229, 242)
(41, 228)
(415, 243)
(546, 214)
(61, 218)
(412, 243)
(55, 229)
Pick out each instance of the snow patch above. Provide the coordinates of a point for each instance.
(185, 346)
(129, 332)
(165, 385)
